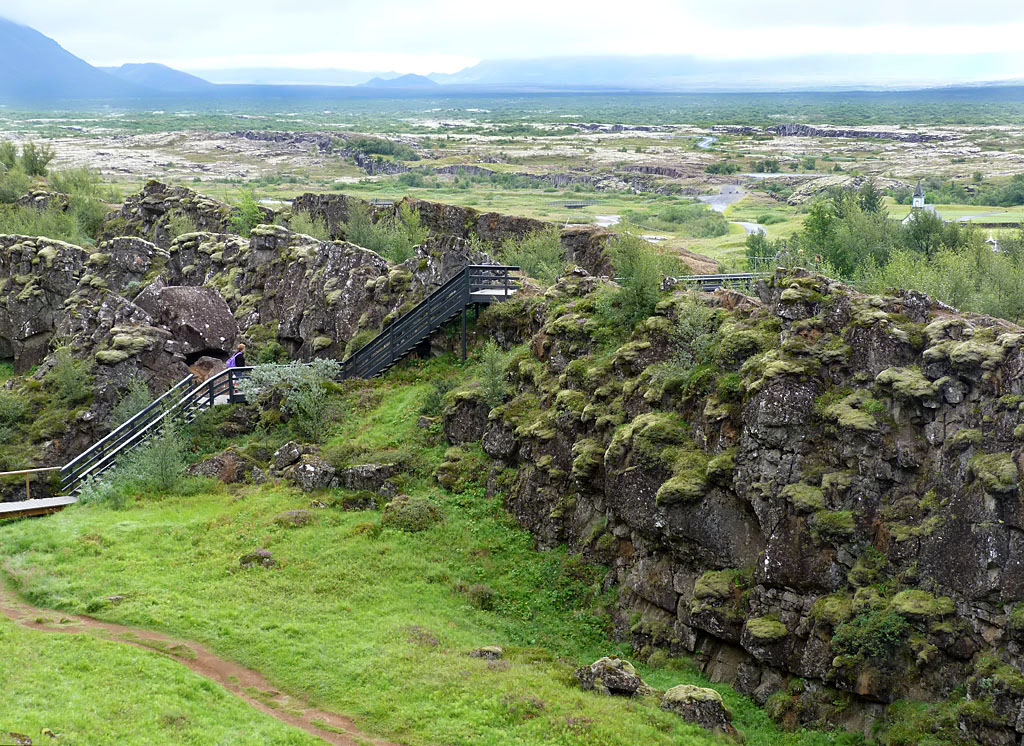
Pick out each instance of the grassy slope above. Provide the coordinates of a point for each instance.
(333, 622)
(91, 691)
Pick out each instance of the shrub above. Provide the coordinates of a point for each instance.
(35, 159)
(133, 399)
(69, 377)
(179, 224)
(433, 401)
(639, 270)
(14, 184)
(394, 237)
(492, 369)
(246, 214)
(8, 154)
(302, 222)
(302, 389)
(872, 634)
(539, 254)
(158, 467)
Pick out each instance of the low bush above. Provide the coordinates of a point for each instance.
(539, 254)
(303, 392)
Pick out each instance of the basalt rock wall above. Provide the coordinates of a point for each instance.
(815, 493)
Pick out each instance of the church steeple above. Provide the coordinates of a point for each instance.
(919, 196)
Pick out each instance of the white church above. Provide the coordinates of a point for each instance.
(918, 205)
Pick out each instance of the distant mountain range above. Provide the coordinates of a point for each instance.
(159, 77)
(685, 73)
(406, 82)
(37, 69)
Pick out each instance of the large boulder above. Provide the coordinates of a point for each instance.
(700, 706)
(465, 417)
(229, 467)
(197, 317)
(366, 476)
(312, 473)
(612, 676)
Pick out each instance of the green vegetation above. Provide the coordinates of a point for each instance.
(302, 390)
(367, 617)
(639, 270)
(394, 238)
(539, 254)
(133, 399)
(135, 697)
(246, 214)
(692, 219)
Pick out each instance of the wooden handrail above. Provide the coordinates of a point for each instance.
(19, 472)
(28, 473)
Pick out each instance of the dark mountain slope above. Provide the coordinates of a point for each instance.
(38, 69)
(158, 77)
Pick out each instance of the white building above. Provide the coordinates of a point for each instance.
(918, 205)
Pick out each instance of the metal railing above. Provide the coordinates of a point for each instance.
(713, 282)
(483, 283)
(184, 400)
(473, 285)
(28, 473)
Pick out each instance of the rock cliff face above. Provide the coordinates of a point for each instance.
(148, 214)
(817, 493)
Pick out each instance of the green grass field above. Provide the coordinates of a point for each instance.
(360, 619)
(89, 691)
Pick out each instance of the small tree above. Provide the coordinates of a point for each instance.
(35, 159)
(492, 369)
(134, 398)
(639, 271)
(538, 253)
(247, 213)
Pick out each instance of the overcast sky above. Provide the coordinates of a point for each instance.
(447, 35)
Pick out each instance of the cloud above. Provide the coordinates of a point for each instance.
(443, 35)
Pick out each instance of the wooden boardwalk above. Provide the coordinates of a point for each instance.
(41, 506)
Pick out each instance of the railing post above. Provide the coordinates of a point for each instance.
(463, 333)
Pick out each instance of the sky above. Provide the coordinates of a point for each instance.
(448, 35)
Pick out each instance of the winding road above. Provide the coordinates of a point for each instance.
(727, 195)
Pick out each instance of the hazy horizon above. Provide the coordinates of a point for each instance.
(450, 36)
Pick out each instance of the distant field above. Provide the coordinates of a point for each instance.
(970, 213)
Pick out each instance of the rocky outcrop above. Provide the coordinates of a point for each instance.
(808, 190)
(700, 706)
(149, 213)
(611, 676)
(37, 275)
(367, 476)
(40, 199)
(785, 507)
(806, 130)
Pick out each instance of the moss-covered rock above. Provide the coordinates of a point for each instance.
(411, 513)
(765, 629)
(997, 472)
(921, 604)
(805, 498)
